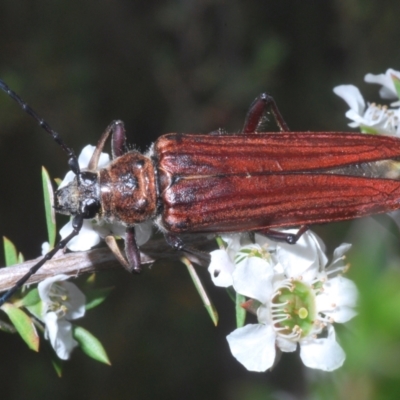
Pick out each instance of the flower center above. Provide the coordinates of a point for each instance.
(59, 298)
(294, 309)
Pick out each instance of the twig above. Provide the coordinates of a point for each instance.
(77, 263)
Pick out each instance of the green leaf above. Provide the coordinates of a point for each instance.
(48, 206)
(212, 312)
(31, 298)
(21, 258)
(95, 297)
(220, 242)
(23, 324)
(33, 303)
(10, 252)
(396, 82)
(231, 293)
(90, 281)
(240, 311)
(90, 345)
(57, 365)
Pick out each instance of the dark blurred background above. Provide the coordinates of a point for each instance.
(188, 66)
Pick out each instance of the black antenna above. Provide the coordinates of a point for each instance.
(76, 225)
(77, 221)
(72, 159)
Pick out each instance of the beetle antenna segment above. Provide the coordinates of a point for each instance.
(76, 225)
(72, 159)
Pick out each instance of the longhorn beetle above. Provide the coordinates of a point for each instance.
(250, 181)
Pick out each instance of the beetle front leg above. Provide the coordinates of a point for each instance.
(118, 143)
(279, 236)
(257, 114)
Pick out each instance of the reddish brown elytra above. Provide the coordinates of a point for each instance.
(251, 181)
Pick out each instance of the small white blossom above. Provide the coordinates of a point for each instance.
(374, 118)
(61, 302)
(222, 261)
(93, 231)
(45, 248)
(387, 81)
(299, 297)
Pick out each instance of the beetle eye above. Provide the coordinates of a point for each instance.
(90, 208)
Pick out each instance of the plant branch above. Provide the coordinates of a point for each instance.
(77, 263)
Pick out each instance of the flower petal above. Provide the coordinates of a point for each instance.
(65, 294)
(143, 232)
(325, 354)
(388, 90)
(45, 286)
(252, 277)
(85, 240)
(69, 177)
(59, 331)
(233, 243)
(103, 228)
(75, 301)
(338, 299)
(341, 250)
(288, 346)
(253, 346)
(221, 268)
(83, 161)
(45, 248)
(352, 96)
(304, 258)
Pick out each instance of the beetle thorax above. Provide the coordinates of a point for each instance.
(127, 189)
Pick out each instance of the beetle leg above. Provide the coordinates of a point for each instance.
(118, 142)
(132, 261)
(256, 115)
(279, 236)
(113, 246)
(116, 128)
(132, 251)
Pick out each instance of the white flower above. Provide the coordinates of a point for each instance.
(299, 298)
(374, 118)
(93, 231)
(61, 302)
(222, 261)
(45, 248)
(387, 81)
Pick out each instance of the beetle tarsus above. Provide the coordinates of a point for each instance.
(290, 238)
(174, 241)
(178, 244)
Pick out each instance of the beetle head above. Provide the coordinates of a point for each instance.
(79, 197)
